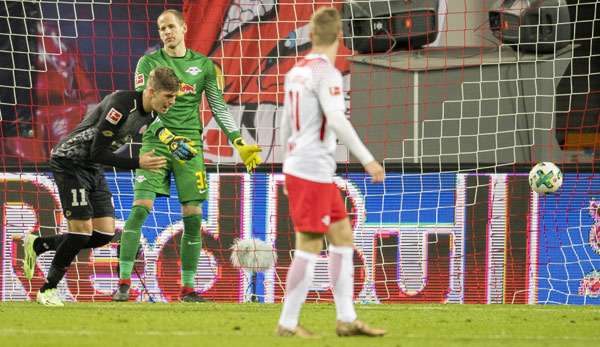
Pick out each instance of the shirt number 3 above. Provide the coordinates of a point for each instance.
(201, 180)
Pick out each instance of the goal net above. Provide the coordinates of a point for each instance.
(458, 99)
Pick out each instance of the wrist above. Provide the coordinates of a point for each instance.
(367, 159)
(165, 136)
(238, 142)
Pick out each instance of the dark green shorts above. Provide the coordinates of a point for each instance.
(190, 177)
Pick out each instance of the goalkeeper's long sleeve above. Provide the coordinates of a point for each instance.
(220, 110)
(344, 130)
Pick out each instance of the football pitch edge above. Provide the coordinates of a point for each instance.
(248, 325)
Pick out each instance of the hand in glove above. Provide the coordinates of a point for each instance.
(181, 147)
(248, 153)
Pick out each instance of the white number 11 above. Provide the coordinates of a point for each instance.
(82, 202)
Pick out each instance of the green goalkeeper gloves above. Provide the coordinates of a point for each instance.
(181, 147)
(248, 153)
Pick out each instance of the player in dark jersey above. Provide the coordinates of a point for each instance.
(77, 165)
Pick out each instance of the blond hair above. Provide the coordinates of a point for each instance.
(325, 25)
(163, 79)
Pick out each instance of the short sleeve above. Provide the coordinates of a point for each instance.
(331, 92)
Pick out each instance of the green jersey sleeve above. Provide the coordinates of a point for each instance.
(218, 107)
(142, 71)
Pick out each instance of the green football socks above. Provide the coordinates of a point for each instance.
(191, 245)
(130, 240)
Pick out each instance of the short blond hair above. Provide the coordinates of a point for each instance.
(325, 25)
(178, 15)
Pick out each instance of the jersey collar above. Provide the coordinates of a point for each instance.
(317, 55)
(165, 55)
(139, 104)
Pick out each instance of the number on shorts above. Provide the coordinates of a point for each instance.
(201, 180)
(78, 202)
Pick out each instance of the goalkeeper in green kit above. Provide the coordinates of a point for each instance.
(180, 141)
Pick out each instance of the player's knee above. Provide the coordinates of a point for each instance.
(105, 232)
(340, 233)
(309, 242)
(101, 238)
(147, 203)
(191, 208)
(82, 227)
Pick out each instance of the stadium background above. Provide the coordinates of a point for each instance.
(439, 230)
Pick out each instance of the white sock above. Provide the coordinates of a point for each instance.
(299, 278)
(341, 273)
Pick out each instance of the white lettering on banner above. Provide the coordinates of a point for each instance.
(496, 239)
(363, 241)
(411, 259)
(533, 250)
(412, 247)
(413, 252)
(21, 217)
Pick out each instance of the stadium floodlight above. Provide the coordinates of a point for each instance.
(380, 26)
(541, 26)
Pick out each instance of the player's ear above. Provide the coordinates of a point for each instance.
(184, 28)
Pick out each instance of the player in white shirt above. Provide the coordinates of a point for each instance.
(313, 119)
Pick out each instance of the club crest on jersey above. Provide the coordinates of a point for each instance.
(113, 116)
(185, 89)
(193, 70)
(334, 91)
(139, 80)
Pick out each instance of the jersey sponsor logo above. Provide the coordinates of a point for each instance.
(185, 89)
(107, 133)
(139, 80)
(335, 91)
(113, 116)
(193, 70)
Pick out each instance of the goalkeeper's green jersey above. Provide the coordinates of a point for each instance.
(197, 74)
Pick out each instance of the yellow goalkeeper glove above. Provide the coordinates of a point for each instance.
(248, 153)
(182, 148)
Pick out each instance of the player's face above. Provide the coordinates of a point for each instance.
(162, 100)
(171, 30)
